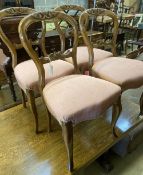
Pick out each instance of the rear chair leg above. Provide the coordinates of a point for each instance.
(49, 121)
(141, 105)
(11, 86)
(67, 129)
(31, 100)
(117, 108)
(23, 98)
(49, 115)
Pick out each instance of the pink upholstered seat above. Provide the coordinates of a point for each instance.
(126, 73)
(83, 56)
(26, 73)
(78, 98)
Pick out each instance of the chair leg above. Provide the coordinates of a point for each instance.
(31, 100)
(49, 121)
(117, 108)
(132, 47)
(11, 86)
(49, 116)
(141, 105)
(23, 98)
(126, 46)
(67, 129)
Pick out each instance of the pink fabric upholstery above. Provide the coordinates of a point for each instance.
(78, 98)
(126, 73)
(27, 75)
(83, 56)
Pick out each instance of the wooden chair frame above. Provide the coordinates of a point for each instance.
(84, 19)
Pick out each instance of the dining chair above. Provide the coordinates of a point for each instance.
(82, 52)
(9, 18)
(74, 98)
(124, 72)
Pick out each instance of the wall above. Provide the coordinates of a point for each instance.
(51, 4)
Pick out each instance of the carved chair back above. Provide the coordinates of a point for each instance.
(74, 11)
(9, 21)
(102, 17)
(45, 17)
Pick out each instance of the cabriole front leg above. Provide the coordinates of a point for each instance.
(67, 129)
(117, 108)
(141, 105)
(31, 100)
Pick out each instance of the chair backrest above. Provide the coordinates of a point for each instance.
(104, 18)
(9, 21)
(44, 17)
(72, 10)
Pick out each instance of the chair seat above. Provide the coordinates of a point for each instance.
(77, 98)
(26, 73)
(83, 56)
(126, 73)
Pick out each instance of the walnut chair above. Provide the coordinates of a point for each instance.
(74, 98)
(124, 72)
(82, 52)
(25, 71)
(14, 46)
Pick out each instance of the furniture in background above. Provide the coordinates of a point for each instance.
(100, 3)
(52, 4)
(135, 30)
(16, 3)
(141, 6)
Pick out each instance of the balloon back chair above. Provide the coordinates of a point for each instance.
(15, 48)
(10, 42)
(124, 72)
(74, 98)
(82, 52)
